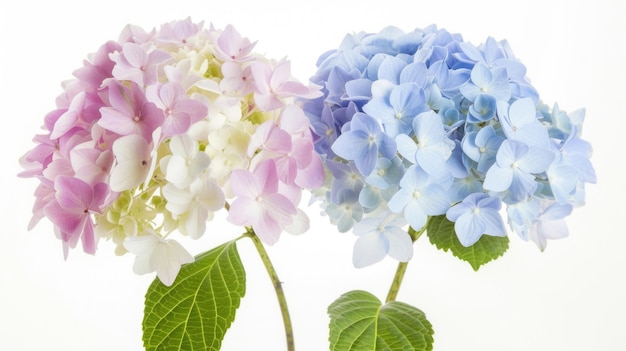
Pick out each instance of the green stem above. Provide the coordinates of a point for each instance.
(278, 288)
(401, 270)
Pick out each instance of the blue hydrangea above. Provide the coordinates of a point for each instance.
(421, 124)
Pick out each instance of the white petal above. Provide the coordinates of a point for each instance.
(177, 171)
(131, 147)
(128, 174)
(400, 244)
(369, 249)
(141, 245)
(167, 258)
(299, 225)
(183, 145)
(178, 200)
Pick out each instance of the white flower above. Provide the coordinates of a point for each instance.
(194, 205)
(155, 254)
(134, 161)
(187, 162)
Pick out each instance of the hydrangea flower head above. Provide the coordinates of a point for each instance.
(163, 128)
(470, 133)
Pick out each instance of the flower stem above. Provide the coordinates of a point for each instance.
(278, 288)
(399, 276)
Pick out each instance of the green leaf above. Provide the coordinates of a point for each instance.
(197, 310)
(441, 234)
(359, 323)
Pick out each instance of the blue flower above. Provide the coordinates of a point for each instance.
(550, 224)
(363, 142)
(431, 148)
(482, 109)
(539, 219)
(380, 236)
(396, 106)
(344, 176)
(482, 147)
(468, 128)
(346, 211)
(483, 80)
(476, 216)
(515, 169)
(519, 122)
(419, 197)
(386, 172)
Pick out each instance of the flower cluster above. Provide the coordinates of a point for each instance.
(161, 129)
(420, 124)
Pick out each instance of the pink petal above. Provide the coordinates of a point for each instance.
(73, 194)
(71, 223)
(292, 88)
(294, 121)
(244, 211)
(312, 176)
(243, 184)
(302, 152)
(135, 55)
(88, 239)
(262, 74)
(266, 177)
(267, 101)
(287, 169)
(268, 230)
(70, 118)
(281, 74)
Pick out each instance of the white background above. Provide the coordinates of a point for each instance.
(570, 297)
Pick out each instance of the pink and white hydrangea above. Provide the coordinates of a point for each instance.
(161, 129)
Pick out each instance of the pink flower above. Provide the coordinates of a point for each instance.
(130, 112)
(272, 85)
(236, 79)
(82, 113)
(71, 211)
(134, 63)
(230, 46)
(179, 33)
(90, 164)
(100, 67)
(180, 111)
(258, 203)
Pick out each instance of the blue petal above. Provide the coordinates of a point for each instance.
(457, 211)
(414, 214)
(510, 152)
(536, 160)
(386, 146)
(400, 244)
(494, 225)
(349, 144)
(358, 89)
(408, 99)
(434, 200)
(390, 69)
(370, 197)
(557, 211)
(406, 147)
(470, 147)
(399, 200)
(414, 73)
(481, 75)
(498, 178)
(363, 122)
(369, 249)
(432, 161)
(366, 160)
(469, 228)
(522, 186)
